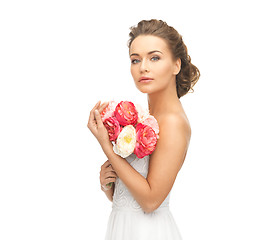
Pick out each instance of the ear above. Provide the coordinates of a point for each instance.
(177, 66)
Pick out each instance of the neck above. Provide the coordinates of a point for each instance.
(162, 101)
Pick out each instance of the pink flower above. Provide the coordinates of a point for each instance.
(113, 128)
(142, 113)
(126, 113)
(151, 121)
(109, 110)
(145, 140)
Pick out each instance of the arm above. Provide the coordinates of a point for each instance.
(165, 163)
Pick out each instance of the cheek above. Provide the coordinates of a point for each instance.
(164, 70)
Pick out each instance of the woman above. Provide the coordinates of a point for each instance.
(161, 68)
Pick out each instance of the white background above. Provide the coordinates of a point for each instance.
(58, 58)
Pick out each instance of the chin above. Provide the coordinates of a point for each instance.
(146, 89)
(143, 88)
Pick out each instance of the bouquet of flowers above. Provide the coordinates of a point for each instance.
(131, 129)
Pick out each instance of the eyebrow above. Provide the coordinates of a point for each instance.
(151, 52)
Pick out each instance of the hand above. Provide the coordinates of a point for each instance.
(96, 126)
(107, 175)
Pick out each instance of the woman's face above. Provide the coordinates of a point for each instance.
(152, 65)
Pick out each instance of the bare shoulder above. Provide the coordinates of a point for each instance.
(175, 123)
(174, 139)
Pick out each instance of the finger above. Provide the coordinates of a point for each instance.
(91, 116)
(108, 180)
(110, 174)
(103, 106)
(96, 106)
(105, 188)
(106, 164)
(99, 107)
(107, 174)
(108, 171)
(110, 168)
(98, 118)
(92, 123)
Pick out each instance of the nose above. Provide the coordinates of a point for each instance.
(144, 66)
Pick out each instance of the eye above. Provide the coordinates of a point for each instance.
(155, 58)
(134, 61)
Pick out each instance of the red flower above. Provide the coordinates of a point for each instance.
(126, 113)
(145, 140)
(113, 128)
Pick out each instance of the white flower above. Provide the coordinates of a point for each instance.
(126, 141)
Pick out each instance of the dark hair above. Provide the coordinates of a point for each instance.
(189, 74)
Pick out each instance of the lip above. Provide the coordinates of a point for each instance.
(145, 79)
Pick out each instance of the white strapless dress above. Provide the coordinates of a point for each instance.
(128, 221)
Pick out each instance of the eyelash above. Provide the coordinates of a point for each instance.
(157, 58)
(134, 60)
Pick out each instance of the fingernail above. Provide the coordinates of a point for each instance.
(96, 111)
